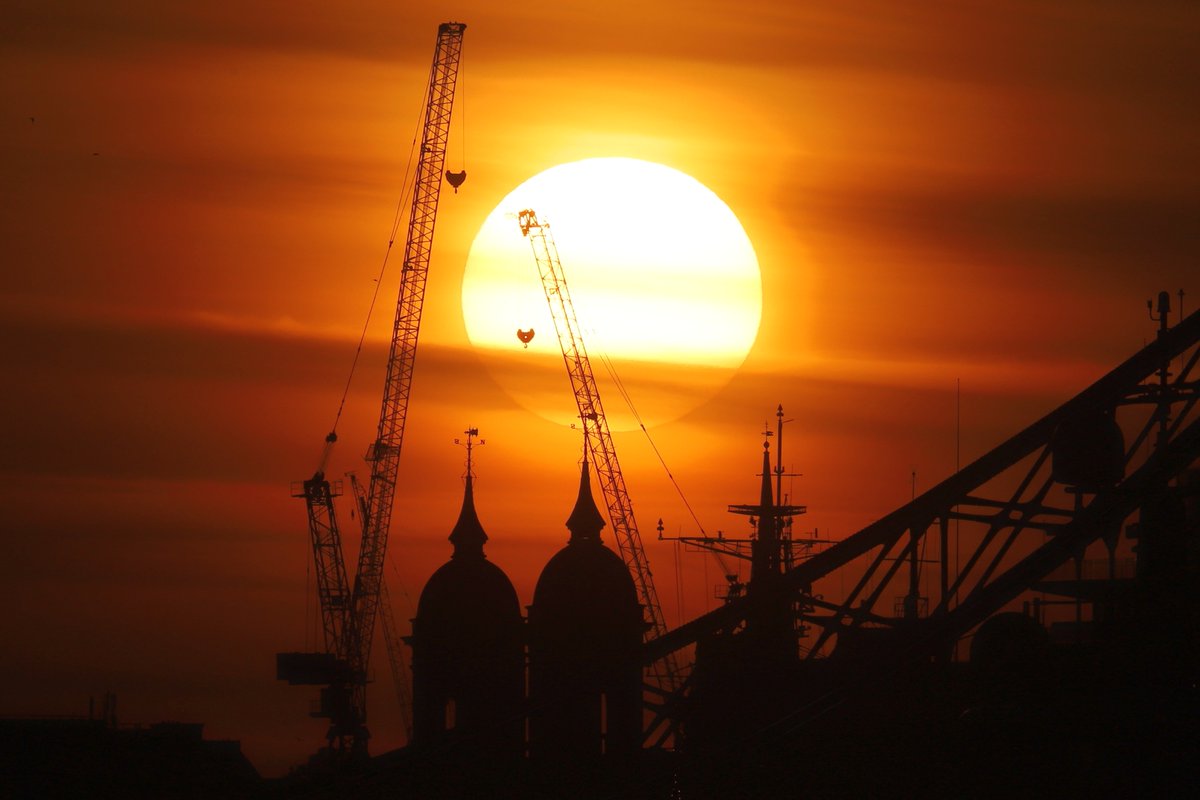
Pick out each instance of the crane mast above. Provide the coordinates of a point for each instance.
(384, 453)
(332, 586)
(348, 613)
(599, 440)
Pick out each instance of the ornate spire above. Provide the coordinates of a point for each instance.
(585, 521)
(764, 496)
(468, 535)
(764, 552)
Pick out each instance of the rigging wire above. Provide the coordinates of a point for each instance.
(399, 582)
(406, 191)
(461, 92)
(309, 595)
(679, 584)
(611, 368)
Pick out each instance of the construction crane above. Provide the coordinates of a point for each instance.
(665, 671)
(391, 633)
(348, 612)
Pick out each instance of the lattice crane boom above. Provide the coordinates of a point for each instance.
(599, 438)
(391, 633)
(333, 591)
(384, 452)
(349, 612)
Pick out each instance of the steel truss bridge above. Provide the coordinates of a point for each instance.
(1032, 506)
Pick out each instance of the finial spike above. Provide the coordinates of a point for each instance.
(468, 535)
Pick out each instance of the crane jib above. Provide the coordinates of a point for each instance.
(664, 671)
(349, 613)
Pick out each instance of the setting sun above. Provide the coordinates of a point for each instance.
(659, 269)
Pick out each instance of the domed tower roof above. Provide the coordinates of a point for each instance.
(585, 577)
(468, 593)
(468, 585)
(468, 656)
(468, 535)
(585, 635)
(585, 521)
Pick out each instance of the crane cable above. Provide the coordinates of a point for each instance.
(310, 625)
(611, 368)
(405, 193)
(612, 373)
(460, 91)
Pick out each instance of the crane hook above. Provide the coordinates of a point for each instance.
(456, 179)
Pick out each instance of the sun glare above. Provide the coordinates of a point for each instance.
(661, 273)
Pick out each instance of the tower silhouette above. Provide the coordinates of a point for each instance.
(468, 653)
(585, 634)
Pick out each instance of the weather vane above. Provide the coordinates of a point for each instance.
(470, 444)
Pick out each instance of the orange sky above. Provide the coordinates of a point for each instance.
(193, 217)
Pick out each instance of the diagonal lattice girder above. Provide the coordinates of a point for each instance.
(664, 674)
(349, 610)
(1023, 522)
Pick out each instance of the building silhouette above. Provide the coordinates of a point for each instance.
(97, 757)
(585, 634)
(582, 719)
(468, 654)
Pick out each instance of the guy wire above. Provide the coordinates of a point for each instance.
(612, 372)
(405, 193)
